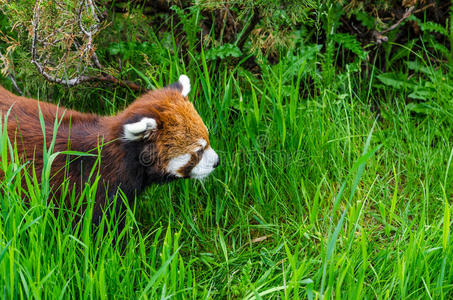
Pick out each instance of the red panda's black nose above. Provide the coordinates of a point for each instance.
(217, 163)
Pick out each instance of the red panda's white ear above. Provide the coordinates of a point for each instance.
(185, 82)
(182, 85)
(138, 130)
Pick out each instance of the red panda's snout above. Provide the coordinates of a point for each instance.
(173, 140)
(197, 164)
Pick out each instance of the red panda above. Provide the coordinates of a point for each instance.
(158, 138)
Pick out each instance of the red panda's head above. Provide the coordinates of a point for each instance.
(167, 133)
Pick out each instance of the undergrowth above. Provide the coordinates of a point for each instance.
(334, 182)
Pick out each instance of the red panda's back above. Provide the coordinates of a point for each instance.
(27, 110)
(25, 129)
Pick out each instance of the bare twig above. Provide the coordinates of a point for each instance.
(125, 83)
(261, 238)
(380, 36)
(13, 81)
(35, 30)
(10, 74)
(404, 17)
(96, 62)
(424, 8)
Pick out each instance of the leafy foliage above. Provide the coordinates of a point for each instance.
(60, 35)
(223, 52)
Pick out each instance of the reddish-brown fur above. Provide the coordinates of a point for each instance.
(179, 126)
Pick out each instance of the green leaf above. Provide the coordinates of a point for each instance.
(421, 93)
(417, 66)
(391, 79)
(366, 20)
(227, 50)
(349, 42)
(433, 27)
(421, 108)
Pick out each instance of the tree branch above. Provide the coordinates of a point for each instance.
(85, 50)
(380, 36)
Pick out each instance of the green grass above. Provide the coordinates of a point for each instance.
(317, 196)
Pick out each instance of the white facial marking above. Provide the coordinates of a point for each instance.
(202, 142)
(177, 163)
(185, 82)
(206, 164)
(138, 130)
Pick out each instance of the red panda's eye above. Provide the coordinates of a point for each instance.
(200, 152)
